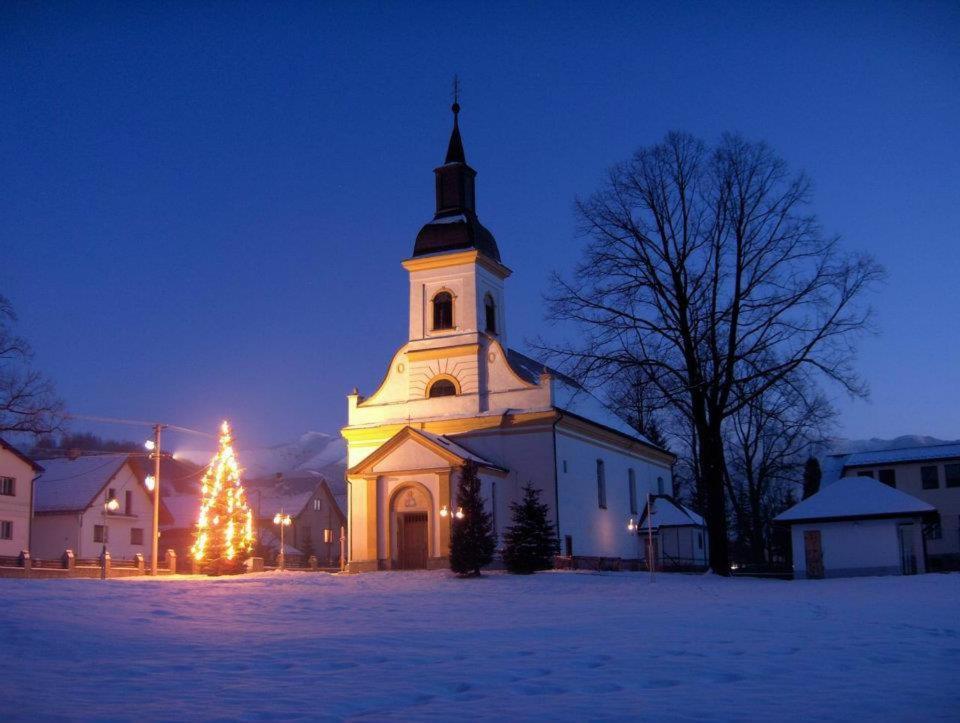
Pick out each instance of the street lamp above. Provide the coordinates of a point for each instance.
(282, 521)
(153, 485)
(444, 512)
(111, 505)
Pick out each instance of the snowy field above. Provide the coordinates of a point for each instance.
(560, 646)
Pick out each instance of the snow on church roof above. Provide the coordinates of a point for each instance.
(458, 449)
(853, 497)
(571, 397)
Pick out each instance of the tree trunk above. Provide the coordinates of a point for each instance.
(711, 470)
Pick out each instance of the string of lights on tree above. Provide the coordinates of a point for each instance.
(225, 524)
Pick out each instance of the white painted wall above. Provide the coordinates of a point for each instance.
(16, 508)
(596, 531)
(52, 534)
(856, 547)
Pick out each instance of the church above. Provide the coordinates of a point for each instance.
(457, 392)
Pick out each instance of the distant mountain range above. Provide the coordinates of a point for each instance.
(849, 446)
(301, 462)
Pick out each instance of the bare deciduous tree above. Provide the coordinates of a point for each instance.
(704, 274)
(28, 402)
(767, 442)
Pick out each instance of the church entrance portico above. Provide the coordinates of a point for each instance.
(412, 517)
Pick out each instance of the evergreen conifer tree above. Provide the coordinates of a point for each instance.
(471, 540)
(811, 477)
(531, 543)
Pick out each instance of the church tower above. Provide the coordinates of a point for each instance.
(456, 276)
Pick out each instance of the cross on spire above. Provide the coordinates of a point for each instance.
(456, 95)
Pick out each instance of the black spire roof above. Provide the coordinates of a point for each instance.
(455, 226)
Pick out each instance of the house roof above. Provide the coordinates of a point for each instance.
(17, 453)
(667, 512)
(70, 485)
(905, 454)
(291, 504)
(855, 497)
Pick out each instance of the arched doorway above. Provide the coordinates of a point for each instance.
(411, 533)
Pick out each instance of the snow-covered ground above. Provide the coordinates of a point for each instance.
(562, 645)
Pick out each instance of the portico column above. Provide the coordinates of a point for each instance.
(444, 498)
(373, 519)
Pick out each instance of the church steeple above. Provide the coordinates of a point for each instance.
(455, 226)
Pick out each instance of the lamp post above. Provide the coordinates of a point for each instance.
(282, 521)
(153, 485)
(110, 505)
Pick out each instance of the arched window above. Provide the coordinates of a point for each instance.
(443, 311)
(632, 484)
(442, 388)
(601, 485)
(660, 485)
(491, 312)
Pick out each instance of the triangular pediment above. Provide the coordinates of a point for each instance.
(407, 450)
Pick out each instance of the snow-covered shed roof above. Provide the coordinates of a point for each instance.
(572, 398)
(270, 504)
(905, 454)
(667, 512)
(69, 485)
(271, 540)
(855, 497)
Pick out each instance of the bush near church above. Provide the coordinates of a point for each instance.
(531, 543)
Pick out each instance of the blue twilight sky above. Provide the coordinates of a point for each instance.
(205, 205)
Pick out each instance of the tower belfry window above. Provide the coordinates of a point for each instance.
(491, 313)
(443, 311)
(442, 388)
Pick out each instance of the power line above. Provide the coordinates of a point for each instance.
(139, 423)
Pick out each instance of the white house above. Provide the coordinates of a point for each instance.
(679, 535)
(857, 526)
(70, 508)
(931, 474)
(17, 473)
(456, 391)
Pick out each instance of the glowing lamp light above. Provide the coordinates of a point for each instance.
(444, 511)
(150, 445)
(112, 504)
(459, 514)
(284, 520)
(632, 525)
(150, 482)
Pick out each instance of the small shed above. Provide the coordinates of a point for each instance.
(679, 534)
(857, 526)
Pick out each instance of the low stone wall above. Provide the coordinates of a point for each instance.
(69, 567)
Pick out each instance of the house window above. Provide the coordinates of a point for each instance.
(128, 502)
(601, 485)
(491, 314)
(951, 473)
(568, 545)
(699, 540)
(6, 530)
(111, 495)
(443, 311)
(136, 535)
(100, 534)
(865, 473)
(8, 487)
(660, 486)
(929, 477)
(564, 466)
(632, 483)
(317, 504)
(888, 477)
(442, 388)
(933, 531)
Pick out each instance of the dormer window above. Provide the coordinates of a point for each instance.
(491, 314)
(443, 311)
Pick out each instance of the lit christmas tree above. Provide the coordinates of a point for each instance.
(225, 524)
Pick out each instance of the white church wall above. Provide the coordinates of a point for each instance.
(597, 531)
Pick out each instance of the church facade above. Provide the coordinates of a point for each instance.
(456, 392)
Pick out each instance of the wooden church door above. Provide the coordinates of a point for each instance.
(412, 540)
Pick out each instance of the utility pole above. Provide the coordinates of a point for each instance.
(154, 555)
